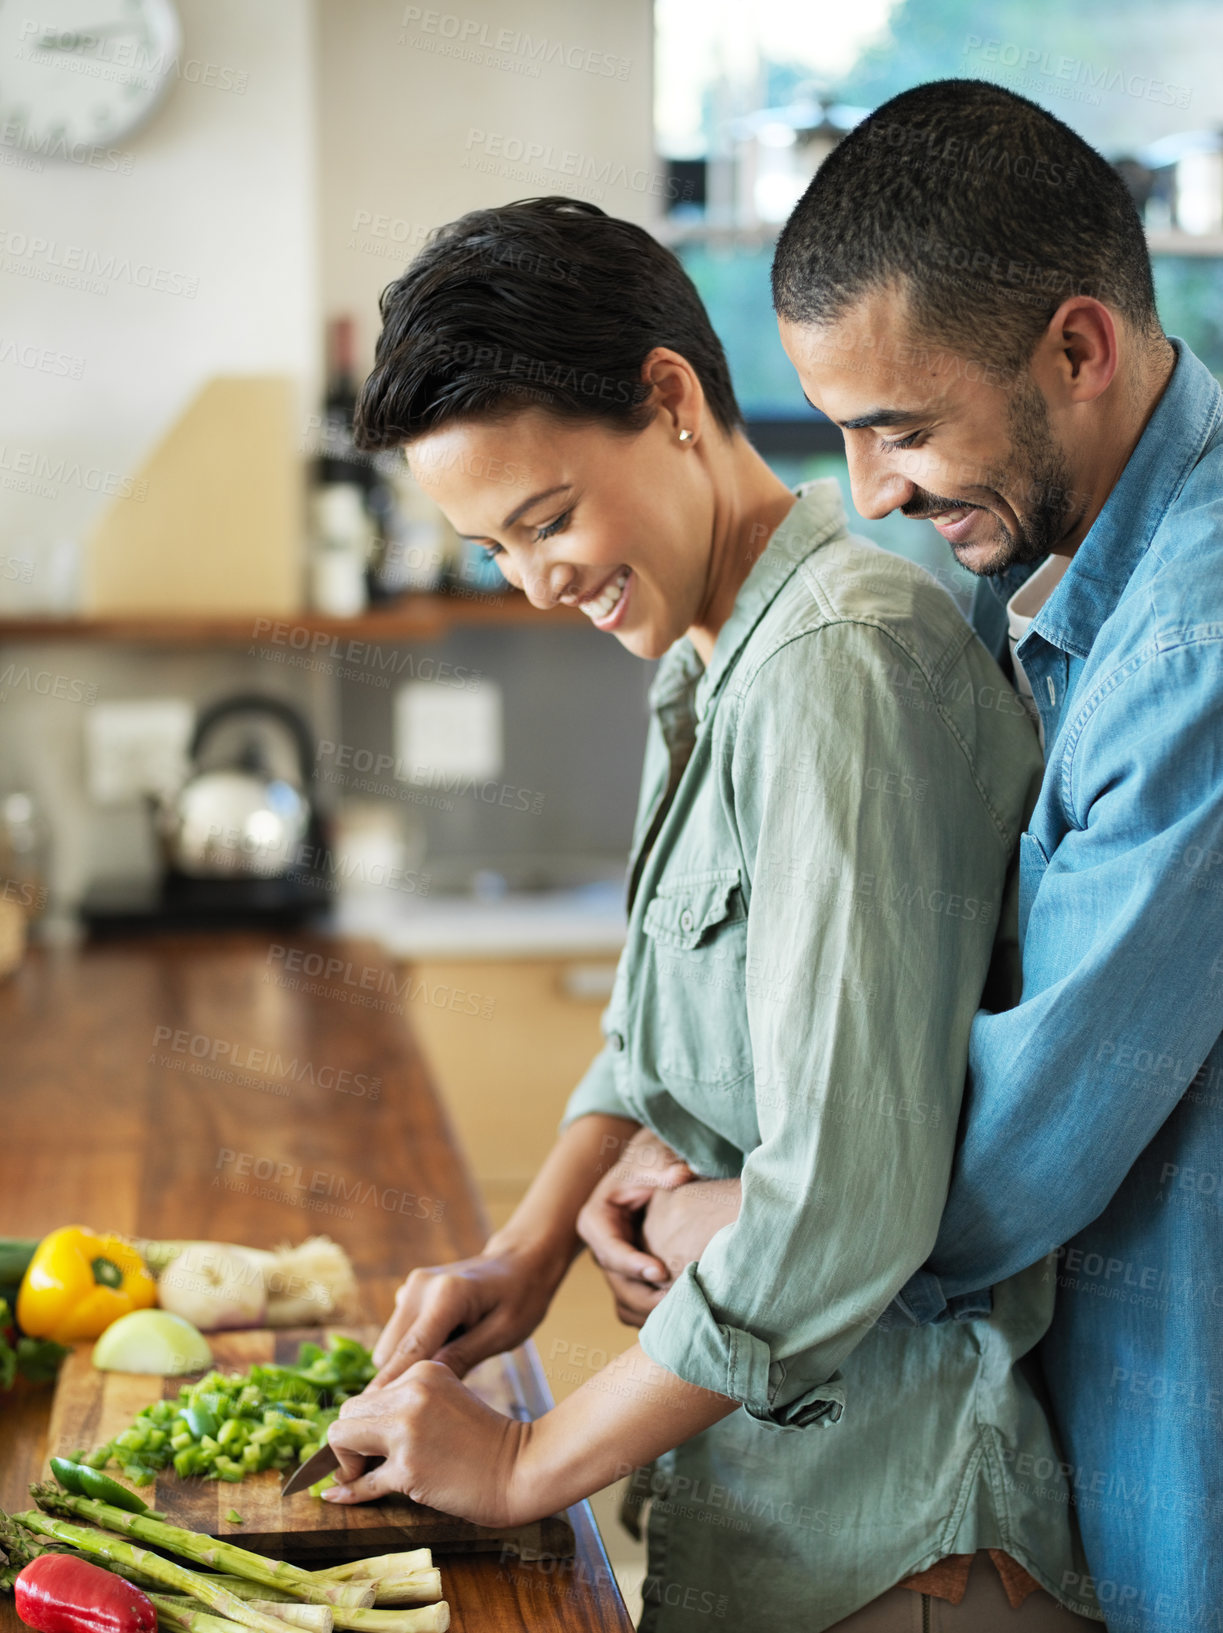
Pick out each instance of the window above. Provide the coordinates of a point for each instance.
(750, 98)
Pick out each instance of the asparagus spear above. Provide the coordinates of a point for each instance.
(412, 1588)
(346, 1618)
(417, 1559)
(163, 1571)
(177, 1615)
(207, 1551)
(417, 1620)
(313, 1618)
(402, 1579)
(17, 1549)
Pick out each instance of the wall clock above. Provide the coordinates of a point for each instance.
(82, 74)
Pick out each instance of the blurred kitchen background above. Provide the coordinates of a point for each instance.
(247, 677)
(202, 202)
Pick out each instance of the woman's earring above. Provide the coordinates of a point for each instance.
(685, 436)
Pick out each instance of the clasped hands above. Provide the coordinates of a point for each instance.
(648, 1218)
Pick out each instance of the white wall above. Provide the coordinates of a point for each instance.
(345, 109)
(218, 190)
(426, 113)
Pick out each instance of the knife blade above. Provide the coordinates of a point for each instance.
(314, 1468)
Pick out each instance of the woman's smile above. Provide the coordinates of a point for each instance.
(606, 607)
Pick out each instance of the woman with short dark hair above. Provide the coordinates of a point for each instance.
(828, 811)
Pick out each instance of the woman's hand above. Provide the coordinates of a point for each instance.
(460, 1313)
(443, 1446)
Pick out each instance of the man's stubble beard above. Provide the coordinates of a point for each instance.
(1044, 484)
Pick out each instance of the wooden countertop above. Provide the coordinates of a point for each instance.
(134, 1099)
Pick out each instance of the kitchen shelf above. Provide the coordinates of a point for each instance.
(753, 236)
(410, 618)
(1185, 243)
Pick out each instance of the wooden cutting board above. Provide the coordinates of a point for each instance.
(91, 1407)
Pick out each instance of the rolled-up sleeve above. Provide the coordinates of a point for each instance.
(876, 860)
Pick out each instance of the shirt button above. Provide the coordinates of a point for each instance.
(615, 1041)
(686, 920)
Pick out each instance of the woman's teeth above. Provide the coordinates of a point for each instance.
(608, 600)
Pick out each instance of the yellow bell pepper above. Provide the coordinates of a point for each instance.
(77, 1283)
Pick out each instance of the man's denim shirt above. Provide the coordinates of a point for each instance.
(1121, 870)
(1092, 1113)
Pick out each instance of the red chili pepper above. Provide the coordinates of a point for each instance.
(58, 1594)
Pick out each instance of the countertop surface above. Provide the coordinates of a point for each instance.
(173, 1087)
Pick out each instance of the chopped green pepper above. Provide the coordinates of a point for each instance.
(200, 1421)
(226, 1426)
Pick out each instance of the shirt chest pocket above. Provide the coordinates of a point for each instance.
(694, 979)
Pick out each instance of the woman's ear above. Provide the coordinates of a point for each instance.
(677, 393)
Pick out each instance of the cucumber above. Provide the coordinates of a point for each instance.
(15, 1255)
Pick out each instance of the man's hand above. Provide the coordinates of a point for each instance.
(443, 1446)
(460, 1313)
(610, 1223)
(672, 1229)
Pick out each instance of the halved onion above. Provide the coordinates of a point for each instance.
(152, 1341)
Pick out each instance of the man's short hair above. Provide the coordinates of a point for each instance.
(982, 207)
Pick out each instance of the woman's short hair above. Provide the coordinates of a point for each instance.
(546, 303)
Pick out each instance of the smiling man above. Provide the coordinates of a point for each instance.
(987, 338)
(966, 290)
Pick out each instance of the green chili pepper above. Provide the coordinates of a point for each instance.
(69, 1475)
(105, 1490)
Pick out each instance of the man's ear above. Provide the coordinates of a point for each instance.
(1078, 355)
